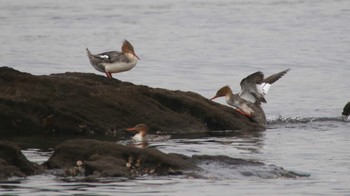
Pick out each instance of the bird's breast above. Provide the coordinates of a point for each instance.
(116, 67)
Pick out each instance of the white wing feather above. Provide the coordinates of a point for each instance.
(265, 88)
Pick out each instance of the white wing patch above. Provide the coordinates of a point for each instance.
(104, 56)
(265, 87)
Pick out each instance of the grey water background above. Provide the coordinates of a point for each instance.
(199, 46)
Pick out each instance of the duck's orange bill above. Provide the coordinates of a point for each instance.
(136, 55)
(131, 129)
(213, 98)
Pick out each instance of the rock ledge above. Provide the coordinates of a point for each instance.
(88, 104)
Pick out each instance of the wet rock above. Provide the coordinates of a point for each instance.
(224, 159)
(88, 104)
(106, 166)
(7, 170)
(14, 163)
(224, 167)
(78, 170)
(107, 159)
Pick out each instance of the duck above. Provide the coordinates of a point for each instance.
(253, 90)
(346, 111)
(143, 136)
(253, 111)
(114, 61)
(242, 106)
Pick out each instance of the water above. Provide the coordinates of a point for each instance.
(201, 45)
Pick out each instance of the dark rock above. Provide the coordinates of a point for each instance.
(224, 159)
(106, 166)
(88, 104)
(103, 159)
(7, 170)
(14, 163)
(234, 168)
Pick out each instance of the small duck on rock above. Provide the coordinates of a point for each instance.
(114, 61)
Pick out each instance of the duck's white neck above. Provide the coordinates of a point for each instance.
(265, 87)
(228, 97)
(131, 57)
(138, 138)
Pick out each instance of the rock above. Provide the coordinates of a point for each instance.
(7, 170)
(88, 104)
(14, 163)
(107, 159)
(224, 167)
(106, 166)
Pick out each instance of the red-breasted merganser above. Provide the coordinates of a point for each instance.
(143, 136)
(114, 61)
(243, 106)
(253, 89)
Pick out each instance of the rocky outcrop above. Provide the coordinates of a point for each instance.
(88, 104)
(14, 163)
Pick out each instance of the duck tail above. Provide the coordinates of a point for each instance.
(90, 55)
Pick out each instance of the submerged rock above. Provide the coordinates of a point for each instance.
(224, 167)
(88, 104)
(108, 159)
(89, 160)
(14, 163)
(94, 159)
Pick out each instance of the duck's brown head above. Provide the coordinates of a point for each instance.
(140, 128)
(222, 92)
(128, 48)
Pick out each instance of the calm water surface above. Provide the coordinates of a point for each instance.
(201, 45)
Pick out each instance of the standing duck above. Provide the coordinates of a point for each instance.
(114, 61)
